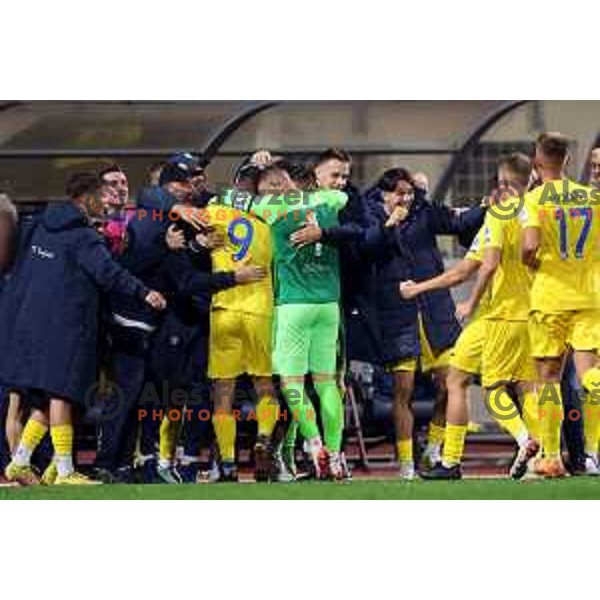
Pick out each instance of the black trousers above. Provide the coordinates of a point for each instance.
(179, 365)
(117, 428)
(573, 427)
(4, 450)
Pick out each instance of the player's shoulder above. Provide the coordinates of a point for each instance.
(585, 194)
(335, 199)
(491, 216)
(217, 208)
(529, 212)
(533, 195)
(581, 193)
(86, 237)
(557, 192)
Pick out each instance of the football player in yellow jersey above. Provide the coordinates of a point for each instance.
(561, 221)
(506, 362)
(241, 329)
(474, 351)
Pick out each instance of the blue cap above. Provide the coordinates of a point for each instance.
(180, 167)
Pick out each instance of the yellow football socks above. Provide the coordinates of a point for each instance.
(505, 412)
(551, 417)
(531, 414)
(404, 449)
(32, 435)
(591, 429)
(454, 444)
(225, 431)
(435, 435)
(266, 415)
(62, 440)
(167, 445)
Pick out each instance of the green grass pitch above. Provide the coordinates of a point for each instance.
(472, 489)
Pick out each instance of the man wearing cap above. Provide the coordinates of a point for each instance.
(148, 256)
(180, 349)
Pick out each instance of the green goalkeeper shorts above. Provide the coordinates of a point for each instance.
(305, 339)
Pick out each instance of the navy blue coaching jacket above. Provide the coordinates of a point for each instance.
(410, 251)
(148, 257)
(49, 306)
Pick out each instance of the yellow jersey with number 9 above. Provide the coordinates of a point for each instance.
(247, 242)
(568, 217)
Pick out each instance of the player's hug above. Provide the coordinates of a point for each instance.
(251, 333)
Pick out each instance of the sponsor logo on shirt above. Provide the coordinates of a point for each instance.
(39, 252)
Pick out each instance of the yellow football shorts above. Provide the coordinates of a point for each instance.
(551, 333)
(467, 352)
(507, 353)
(428, 359)
(239, 343)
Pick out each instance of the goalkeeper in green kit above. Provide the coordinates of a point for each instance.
(307, 314)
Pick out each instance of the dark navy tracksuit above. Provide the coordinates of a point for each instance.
(49, 307)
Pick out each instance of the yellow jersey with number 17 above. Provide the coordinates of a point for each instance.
(568, 217)
(247, 241)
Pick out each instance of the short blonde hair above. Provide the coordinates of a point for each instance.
(8, 208)
(554, 146)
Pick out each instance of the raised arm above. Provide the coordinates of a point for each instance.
(97, 262)
(445, 220)
(380, 233)
(353, 223)
(448, 279)
(190, 281)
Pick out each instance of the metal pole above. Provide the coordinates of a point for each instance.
(222, 133)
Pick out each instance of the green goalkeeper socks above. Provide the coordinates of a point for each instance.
(289, 442)
(332, 414)
(302, 409)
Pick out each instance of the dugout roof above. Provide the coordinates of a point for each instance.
(40, 142)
